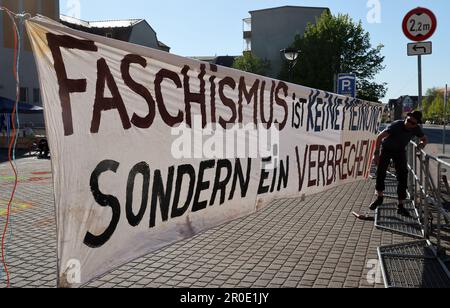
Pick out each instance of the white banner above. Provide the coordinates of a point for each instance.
(149, 148)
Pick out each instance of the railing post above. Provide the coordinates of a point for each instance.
(427, 188)
(421, 183)
(418, 180)
(439, 203)
(411, 167)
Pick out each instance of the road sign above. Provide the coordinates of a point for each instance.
(347, 85)
(419, 24)
(419, 49)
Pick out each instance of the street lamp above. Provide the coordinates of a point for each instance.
(291, 55)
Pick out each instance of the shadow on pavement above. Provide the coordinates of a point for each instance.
(19, 155)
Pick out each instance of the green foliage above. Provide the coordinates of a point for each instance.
(251, 64)
(433, 106)
(337, 44)
(371, 91)
(431, 95)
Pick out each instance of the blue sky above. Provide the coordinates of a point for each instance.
(214, 27)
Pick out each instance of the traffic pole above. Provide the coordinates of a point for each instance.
(445, 118)
(419, 60)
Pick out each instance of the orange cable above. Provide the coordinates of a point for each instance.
(10, 149)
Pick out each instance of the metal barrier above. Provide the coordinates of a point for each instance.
(419, 264)
(425, 190)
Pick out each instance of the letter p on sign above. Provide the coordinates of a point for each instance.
(347, 85)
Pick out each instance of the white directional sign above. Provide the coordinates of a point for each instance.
(419, 49)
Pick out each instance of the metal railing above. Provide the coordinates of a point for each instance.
(426, 184)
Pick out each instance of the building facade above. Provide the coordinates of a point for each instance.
(136, 31)
(401, 106)
(133, 31)
(29, 88)
(268, 31)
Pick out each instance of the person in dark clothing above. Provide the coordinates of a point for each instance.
(43, 149)
(2, 122)
(3, 125)
(393, 142)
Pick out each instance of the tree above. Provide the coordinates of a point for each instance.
(431, 95)
(337, 44)
(433, 105)
(251, 64)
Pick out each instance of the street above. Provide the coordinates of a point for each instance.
(435, 134)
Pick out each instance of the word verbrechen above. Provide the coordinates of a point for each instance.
(333, 163)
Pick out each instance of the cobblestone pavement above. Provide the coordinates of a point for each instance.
(314, 243)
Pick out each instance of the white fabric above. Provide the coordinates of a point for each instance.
(319, 127)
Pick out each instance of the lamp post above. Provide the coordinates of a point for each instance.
(291, 55)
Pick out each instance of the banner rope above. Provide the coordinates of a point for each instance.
(12, 142)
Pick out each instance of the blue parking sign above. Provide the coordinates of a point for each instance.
(347, 85)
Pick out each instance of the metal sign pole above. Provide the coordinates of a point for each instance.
(420, 81)
(445, 118)
(335, 85)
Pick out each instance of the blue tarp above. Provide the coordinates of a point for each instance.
(7, 105)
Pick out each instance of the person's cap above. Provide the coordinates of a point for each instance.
(416, 115)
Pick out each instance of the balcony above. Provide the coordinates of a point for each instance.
(247, 34)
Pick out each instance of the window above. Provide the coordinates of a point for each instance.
(247, 45)
(24, 95)
(36, 96)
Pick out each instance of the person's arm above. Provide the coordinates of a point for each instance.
(380, 139)
(423, 142)
(377, 153)
(422, 137)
